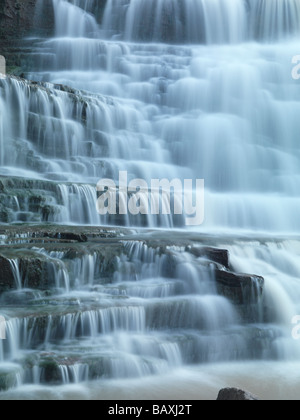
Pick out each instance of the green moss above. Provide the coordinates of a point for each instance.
(14, 71)
(8, 379)
(50, 371)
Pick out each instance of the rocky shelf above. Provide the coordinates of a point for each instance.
(23, 243)
(63, 287)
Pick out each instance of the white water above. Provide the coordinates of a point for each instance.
(226, 112)
(221, 106)
(156, 316)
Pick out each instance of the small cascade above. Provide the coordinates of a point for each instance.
(74, 374)
(162, 111)
(67, 13)
(16, 273)
(201, 21)
(143, 308)
(274, 21)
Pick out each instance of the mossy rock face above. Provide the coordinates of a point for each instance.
(20, 18)
(7, 280)
(6, 215)
(15, 70)
(35, 272)
(51, 373)
(25, 200)
(97, 368)
(36, 203)
(8, 378)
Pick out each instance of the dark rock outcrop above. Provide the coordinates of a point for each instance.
(6, 276)
(219, 256)
(242, 289)
(34, 272)
(19, 18)
(8, 379)
(71, 237)
(23, 18)
(234, 394)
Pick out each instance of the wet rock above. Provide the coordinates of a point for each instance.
(19, 18)
(70, 236)
(34, 272)
(6, 214)
(6, 275)
(234, 394)
(8, 378)
(34, 19)
(241, 289)
(50, 372)
(219, 256)
(19, 297)
(97, 368)
(26, 200)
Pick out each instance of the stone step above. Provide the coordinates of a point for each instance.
(132, 356)
(10, 376)
(206, 318)
(49, 258)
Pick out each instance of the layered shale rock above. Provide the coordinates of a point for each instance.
(63, 287)
(240, 288)
(29, 254)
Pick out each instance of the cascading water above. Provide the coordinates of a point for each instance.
(160, 89)
(227, 113)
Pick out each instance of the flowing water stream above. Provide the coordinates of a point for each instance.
(161, 89)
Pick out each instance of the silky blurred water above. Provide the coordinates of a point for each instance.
(162, 89)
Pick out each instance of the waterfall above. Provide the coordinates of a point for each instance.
(16, 273)
(202, 21)
(66, 14)
(168, 111)
(274, 21)
(167, 20)
(159, 89)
